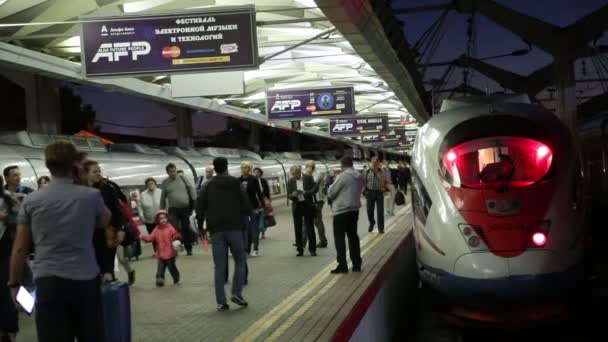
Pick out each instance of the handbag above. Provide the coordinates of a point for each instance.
(399, 198)
(270, 221)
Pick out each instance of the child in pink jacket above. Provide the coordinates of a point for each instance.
(164, 235)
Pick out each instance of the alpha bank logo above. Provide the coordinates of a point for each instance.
(114, 51)
(343, 127)
(326, 101)
(104, 31)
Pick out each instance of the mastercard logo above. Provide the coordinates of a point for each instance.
(171, 52)
(311, 108)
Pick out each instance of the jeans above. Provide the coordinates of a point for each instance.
(182, 217)
(375, 198)
(303, 212)
(253, 234)
(68, 309)
(346, 224)
(221, 241)
(162, 267)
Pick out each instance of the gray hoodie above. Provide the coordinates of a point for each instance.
(345, 193)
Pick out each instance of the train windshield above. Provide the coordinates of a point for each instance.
(497, 162)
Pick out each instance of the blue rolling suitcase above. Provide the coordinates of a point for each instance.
(116, 312)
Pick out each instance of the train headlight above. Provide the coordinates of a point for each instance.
(539, 239)
(474, 241)
(467, 231)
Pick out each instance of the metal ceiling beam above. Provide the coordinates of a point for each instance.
(374, 32)
(295, 46)
(422, 9)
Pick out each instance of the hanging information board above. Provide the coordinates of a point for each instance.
(209, 39)
(358, 126)
(296, 104)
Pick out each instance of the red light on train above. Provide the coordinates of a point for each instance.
(539, 239)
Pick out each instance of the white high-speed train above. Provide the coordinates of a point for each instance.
(497, 202)
(130, 164)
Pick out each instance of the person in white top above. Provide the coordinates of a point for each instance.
(390, 206)
(149, 205)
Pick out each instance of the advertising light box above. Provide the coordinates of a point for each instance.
(358, 126)
(298, 104)
(212, 39)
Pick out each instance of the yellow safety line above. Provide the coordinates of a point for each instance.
(261, 325)
(309, 303)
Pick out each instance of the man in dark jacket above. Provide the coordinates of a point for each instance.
(256, 199)
(224, 204)
(301, 190)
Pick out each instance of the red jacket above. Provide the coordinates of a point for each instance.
(163, 235)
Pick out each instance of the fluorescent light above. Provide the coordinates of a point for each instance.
(70, 42)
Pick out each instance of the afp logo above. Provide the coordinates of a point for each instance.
(341, 127)
(282, 105)
(114, 51)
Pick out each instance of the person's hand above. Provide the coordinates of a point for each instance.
(19, 195)
(107, 278)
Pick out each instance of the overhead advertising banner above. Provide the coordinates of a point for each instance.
(208, 39)
(298, 104)
(358, 126)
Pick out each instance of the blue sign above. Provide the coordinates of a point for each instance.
(298, 104)
(210, 39)
(358, 126)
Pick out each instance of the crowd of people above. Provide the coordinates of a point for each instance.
(78, 223)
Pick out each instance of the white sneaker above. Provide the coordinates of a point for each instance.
(255, 253)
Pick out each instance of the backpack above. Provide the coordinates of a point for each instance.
(399, 198)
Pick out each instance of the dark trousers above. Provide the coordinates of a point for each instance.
(181, 216)
(303, 218)
(221, 242)
(68, 309)
(375, 199)
(162, 267)
(346, 224)
(150, 227)
(252, 233)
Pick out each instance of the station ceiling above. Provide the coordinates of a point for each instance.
(51, 27)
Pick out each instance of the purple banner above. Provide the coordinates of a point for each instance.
(297, 104)
(358, 126)
(198, 40)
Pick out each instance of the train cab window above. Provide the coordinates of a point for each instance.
(496, 162)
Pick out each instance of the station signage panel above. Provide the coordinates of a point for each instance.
(358, 126)
(213, 39)
(298, 104)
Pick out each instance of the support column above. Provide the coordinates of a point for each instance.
(183, 125)
(42, 105)
(566, 91)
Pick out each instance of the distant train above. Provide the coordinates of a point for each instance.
(130, 164)
(498, 202)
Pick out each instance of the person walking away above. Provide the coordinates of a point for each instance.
(390, 205)
(201, 181)
(265, 189)
(165, 237)
(300, 190)
(43, 182)
(107, 242)
(250, 183)
(406, 178)
(329, 181)
(12, 176)
(225, 224)
(318, 201)
(178, 195)
(375, 180)
(59, 221)
(149, 205)
(345, 198)
(8, 218)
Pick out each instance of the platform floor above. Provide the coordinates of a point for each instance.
(281, 286)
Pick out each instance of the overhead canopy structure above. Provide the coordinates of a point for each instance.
(298, 48)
